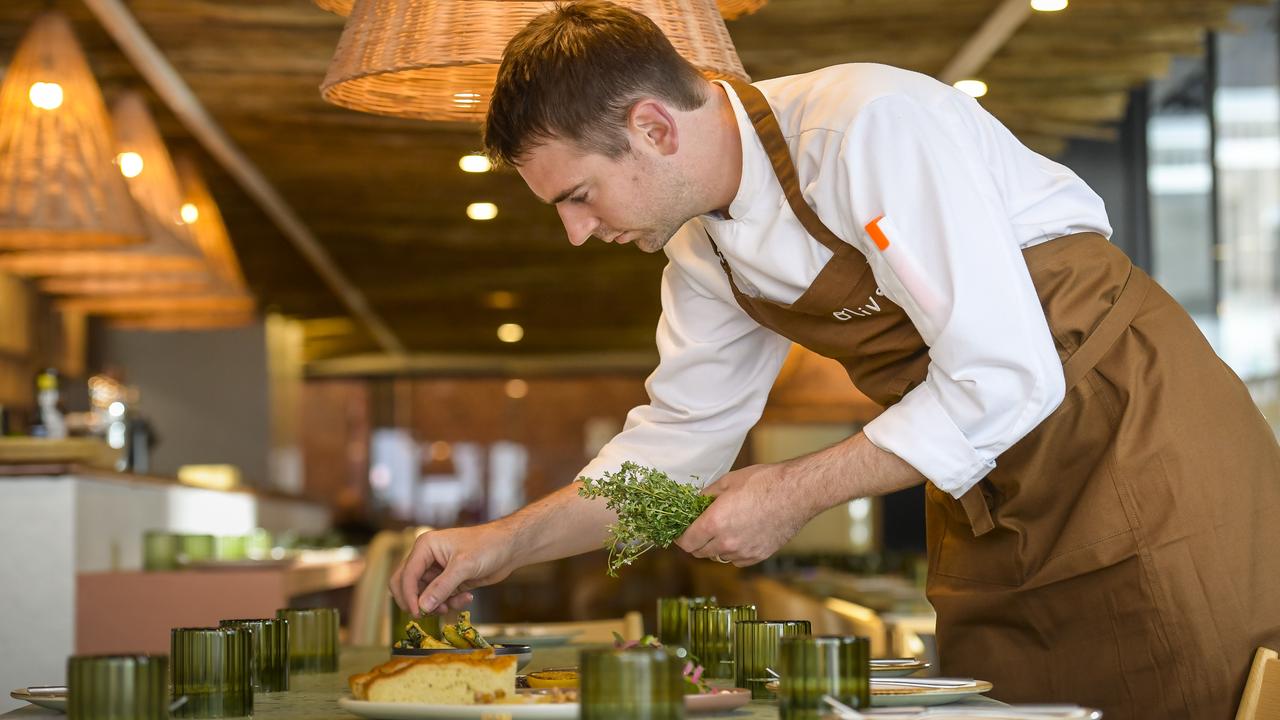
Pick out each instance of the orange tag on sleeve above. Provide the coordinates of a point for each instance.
(877, 235)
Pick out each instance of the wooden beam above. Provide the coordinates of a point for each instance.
(481, 364)
(133, 40)
(999, 26)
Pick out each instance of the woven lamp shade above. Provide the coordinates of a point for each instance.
(152, 284)
(438, 59)
(729, 9)
(209, 230)
(168, 248)
(58, 186)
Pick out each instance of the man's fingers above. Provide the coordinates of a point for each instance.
(394, 586)
(443, 587)
(415, 566)
(459, 601)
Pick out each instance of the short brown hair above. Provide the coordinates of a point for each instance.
(575, 72)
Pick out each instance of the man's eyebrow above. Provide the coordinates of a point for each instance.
(567, 194)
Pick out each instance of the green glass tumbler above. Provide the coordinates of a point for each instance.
(756, 646)
(711, 631)
(118, 687)
(270, 652)
(812, 667)
(213, 668)
(430, 624)
(673, 618)
(313, 639)
(641, 683)
(160, 550)
(196, 548)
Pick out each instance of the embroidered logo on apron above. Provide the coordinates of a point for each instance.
(871, 307)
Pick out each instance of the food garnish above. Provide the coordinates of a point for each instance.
(653, 510)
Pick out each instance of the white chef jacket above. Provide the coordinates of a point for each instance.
(960, 198)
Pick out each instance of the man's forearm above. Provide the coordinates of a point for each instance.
(853, 468)
(558, 526)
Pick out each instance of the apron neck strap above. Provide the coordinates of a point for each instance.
(766, 125)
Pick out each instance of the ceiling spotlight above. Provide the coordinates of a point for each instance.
(501, 300)
(130, 164)
(517, 389)
(482, 211)
(1048, 5)
(510, 332)
(973, 88)
(189, 212)
(474, 163)
(45, 95)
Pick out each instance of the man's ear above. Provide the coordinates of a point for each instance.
(650, 123)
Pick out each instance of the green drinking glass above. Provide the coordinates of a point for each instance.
(640, 683)
(196, 548)
(229, 547)
(812, 667)
(756, 646)
(429, 623)
(118, 687)
(213, 668)
(673, 618)
(313, 639)
(711, 632)
(270, 671)
(160, 550)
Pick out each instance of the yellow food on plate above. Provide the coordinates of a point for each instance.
(553, 679)
(441, 679)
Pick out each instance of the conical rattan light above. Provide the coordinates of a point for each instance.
(437, 59)
(220, 271)
(729, 9)
(154, 186)
(58, 185)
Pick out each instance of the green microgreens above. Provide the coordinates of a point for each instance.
(653, 510)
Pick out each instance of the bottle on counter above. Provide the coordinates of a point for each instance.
(47, 397)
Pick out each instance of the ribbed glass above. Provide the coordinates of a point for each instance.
(430, 624)
(635, 684)
(313, 639)
(118, 687)
(673, 618)
(711, 632)
(196, 548)
(213, 668)
(270, 671)
(815, 666)
(756, 645)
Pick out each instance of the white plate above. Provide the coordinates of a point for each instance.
(52, 702)
(413, 711)
(924, 695)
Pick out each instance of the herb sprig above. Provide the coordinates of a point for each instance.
(653, 510)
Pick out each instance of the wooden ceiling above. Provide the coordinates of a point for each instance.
(387, 201)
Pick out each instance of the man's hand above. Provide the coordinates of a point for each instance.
(755, 512)
(445, 564)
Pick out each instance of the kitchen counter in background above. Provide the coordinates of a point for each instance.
(65, 527)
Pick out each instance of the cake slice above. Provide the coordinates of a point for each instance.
(439, 679)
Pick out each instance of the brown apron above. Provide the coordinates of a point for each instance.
(1125, 554)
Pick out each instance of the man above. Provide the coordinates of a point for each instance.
(1102, 492)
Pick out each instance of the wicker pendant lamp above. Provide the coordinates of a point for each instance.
(219, 273)
(58, 186)
(153, 184)
(437, 59)
(729, 9)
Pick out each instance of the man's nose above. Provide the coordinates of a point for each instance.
(579, 225)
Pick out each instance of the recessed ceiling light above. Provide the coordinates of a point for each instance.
(482, 211)
(474, 163)
(973, 88)
(190, 213)
(510, 332)
(517, 389)
(501, 300)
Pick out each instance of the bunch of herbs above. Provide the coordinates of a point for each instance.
(653, 510)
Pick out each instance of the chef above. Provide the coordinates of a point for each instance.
(1102, 492)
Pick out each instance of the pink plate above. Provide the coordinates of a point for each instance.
(717, 700)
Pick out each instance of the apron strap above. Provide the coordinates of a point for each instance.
(1094, 347)
(775, 145)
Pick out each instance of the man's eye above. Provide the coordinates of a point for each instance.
(578, 199)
